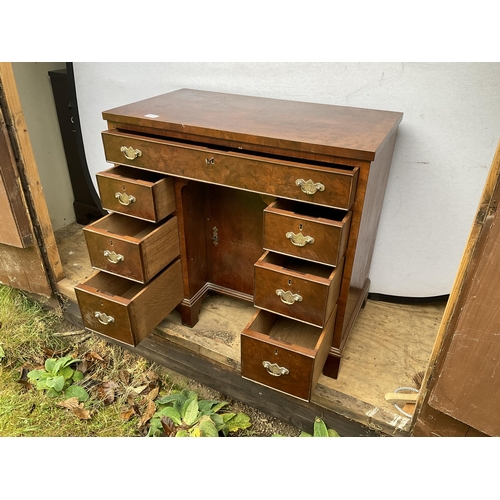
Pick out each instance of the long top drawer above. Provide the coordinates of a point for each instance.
(319, 184)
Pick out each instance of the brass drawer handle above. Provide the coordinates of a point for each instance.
(113, 256)
(299, 240)
(210, 161)
(130, 153)
(124, 198)
(275, 370)
(288, 297)
(309, 187)
(104, 318)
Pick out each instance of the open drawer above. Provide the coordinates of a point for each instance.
(306, 231)
(296, 288)
(284, 354)
(136, 193)
(128, 311)
(132, 248)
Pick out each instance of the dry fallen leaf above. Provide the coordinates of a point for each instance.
(81, 412)
(126, 415)
(90, 356)
(76, 407)
(106, 391)
(168, 426)
(151, 375)
(138, 390)
(82, 366)
(124, 377)
(152, 394)
(70, 403)
(146, 416)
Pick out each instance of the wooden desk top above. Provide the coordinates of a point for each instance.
(274, 123)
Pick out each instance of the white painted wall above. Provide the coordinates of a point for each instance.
(37, 100)
(446, 142)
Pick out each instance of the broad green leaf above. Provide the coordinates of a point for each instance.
(208, 428)
(227, 416)
(182, 433)
(66, 372)
(189, 394)
(77, 376)
(68, 360)
(172, 413)
(41, 385)
(50, 365)
(320, 429)
(217, 420)
(52, 393)
(190, 413)
(170, 398)
(155, 428)
(56, 383)
(75, 391)
(333, 434)
(217, 407)
(195, 432)
(305, 435)
(57, 366)
(35, 374)
(239, 421)
(178, 405)
(206, 404)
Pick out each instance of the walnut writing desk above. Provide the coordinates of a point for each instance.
(270, 201)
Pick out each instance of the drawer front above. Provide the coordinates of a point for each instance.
(134, 249)
(128, 311)
(317, 239)
(284, 354)
(293, 291)
(256, 354)
(123, 190)
(321, 185)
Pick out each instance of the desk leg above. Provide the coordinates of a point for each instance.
(189, 309)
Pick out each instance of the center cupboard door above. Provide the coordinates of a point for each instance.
(29, 259)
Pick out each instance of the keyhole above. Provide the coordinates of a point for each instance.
(110, 243)
(289, 281)
(301, 227)
(124, 187)
(276, 353)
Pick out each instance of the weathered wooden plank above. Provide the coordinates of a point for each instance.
(429, 420)
(14, 117)
(15, 225)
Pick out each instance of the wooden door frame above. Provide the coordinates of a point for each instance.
(34, 197)
(428, 421)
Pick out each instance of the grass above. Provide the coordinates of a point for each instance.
(28, 336)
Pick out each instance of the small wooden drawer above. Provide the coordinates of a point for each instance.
(284, 354)
(319, 183)
(128, 311)
(132, 248)
(296, 288)
(307, 231)
(136, 193)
